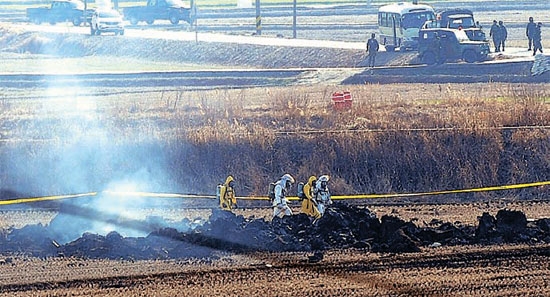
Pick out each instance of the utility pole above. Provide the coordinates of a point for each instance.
(258, 19)
(193, 19)
(294, 19)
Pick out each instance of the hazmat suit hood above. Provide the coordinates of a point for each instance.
(312, 180)
(322, 182)
(228, 180)
(287, 177)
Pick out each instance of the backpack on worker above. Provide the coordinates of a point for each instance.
(300, 192)
(271, 191)
(218, 192)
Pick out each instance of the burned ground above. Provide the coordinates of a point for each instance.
(343, 227)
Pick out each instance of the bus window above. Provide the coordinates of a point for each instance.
(416, 20)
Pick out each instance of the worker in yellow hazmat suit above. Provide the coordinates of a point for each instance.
(226, 194)
(309, 205)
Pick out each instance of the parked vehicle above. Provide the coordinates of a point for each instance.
(437, 45)
(399, 24)
(457, 18)
(172, 10)
(60, 11)
(106, 20)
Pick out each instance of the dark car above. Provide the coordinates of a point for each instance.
(438, 45)
(60, 11)
(172, 10)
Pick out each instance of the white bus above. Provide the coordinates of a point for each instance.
(399, 24)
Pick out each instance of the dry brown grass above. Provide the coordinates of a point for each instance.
(396, 138)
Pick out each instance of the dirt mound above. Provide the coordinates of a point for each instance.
(343, 226)
(206, 54)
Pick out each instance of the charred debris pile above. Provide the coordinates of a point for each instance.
(342, 226)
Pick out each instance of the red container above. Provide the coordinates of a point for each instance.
(342, 100)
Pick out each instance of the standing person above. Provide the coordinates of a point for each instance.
(226, 194)
(494, 33)
(309, 205)
(323, 194)
(537, 39)
(503, 34)
(372, 49)
(280, 202)
(530, 31)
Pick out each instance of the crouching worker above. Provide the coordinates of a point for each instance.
(280, 202)
(226, 194)
(307, 194)
(322, 195)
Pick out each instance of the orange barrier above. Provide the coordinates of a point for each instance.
(342, 100)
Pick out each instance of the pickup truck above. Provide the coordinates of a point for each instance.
(60, 11)
(172, 10)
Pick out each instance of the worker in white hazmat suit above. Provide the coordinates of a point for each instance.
(322, 196)
(280, 203)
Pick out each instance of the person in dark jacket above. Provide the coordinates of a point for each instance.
(537, 40)
(495, 34)
(372, 49)
(503, 34)
(530, 31)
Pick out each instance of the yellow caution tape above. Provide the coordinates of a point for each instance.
(46, 198)
(158, 195)
(484, 189)
(336, 197)
(396, 195)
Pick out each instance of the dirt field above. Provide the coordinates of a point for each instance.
(452, 271)
(472, 270)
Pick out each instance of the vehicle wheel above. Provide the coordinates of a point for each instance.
(470, 56)
(174, 20)
(390, 48)
(150, 22)
(52, 23)
(429, 58)
(37, 21)
(77, 21)
(133, 20)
